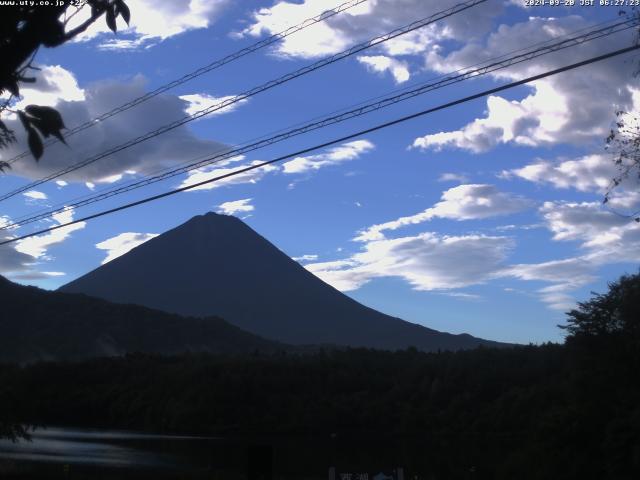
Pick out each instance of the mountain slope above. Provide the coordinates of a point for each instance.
(37, 325)
(216, 265)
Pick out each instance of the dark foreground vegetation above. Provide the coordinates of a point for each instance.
(551, 411)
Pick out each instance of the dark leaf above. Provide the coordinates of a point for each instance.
(12, 86)
(6, 135)
(35, 143)
(42, 127)
(52, 33)
(111, 19)
(4, 165)
(59, 136)
(48, 120)
(26, 122)
(124, 11)
(48, 114)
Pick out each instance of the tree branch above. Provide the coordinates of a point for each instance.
(86, 24)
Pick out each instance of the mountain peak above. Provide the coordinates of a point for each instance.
(209, 217)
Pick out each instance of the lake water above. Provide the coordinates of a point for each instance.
(71, 453)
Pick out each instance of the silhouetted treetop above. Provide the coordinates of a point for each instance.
(616, 312)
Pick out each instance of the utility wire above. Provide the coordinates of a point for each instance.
(332, 142)
(343, 116)
(254, 91)
(202, 70)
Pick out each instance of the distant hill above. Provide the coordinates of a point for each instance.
(217, 265)
(38, 325)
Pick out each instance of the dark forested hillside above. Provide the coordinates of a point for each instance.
(526, 413)
(39, 325)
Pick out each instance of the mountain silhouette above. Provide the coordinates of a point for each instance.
(217, 265)
(38, 325)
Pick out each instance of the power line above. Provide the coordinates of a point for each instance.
(202, 70)
(363, 109)
(266, 86)
(331, 142)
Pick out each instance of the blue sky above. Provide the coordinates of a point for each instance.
(484, 218)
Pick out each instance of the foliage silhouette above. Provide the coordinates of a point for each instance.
(615, 313)
(24, 28)
(623, 141)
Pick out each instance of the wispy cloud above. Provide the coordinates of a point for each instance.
(236, 206)
(123, 243)
(37, 246)
(464, 202)
(334, 156)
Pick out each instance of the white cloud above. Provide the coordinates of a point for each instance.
(305, 258)
(115, 44)
(200, 101)
(565, 275)
(563, 108)
(37, 246)
(464, 202)
(605, 238)
(53, 85)
(344, 275)
(153, 21)
(502, 124)
(462, 295)
(430, 261)
(213, 171)
(594, 226)
(318, 40)
(574, 271)
(531, 226)
(164, 151)
(558, 296)
(123, 243)
(61, 183)
(628, 200)
(18, 260)
(236, 206)
(334, 156)
(381, 64)
(590, 173)
(368, 20)
(35, 195)
(12, 260)
(453, 177)
(427, 261)
(34, 275)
